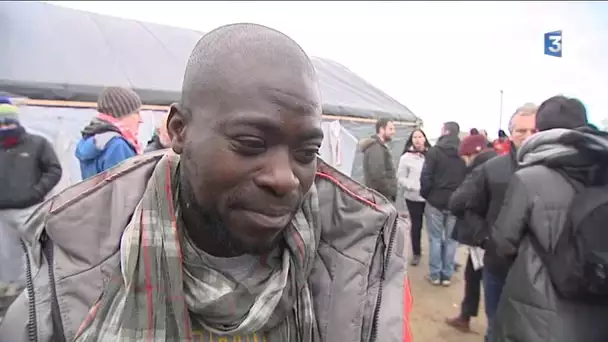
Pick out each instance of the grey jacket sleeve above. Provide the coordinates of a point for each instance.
(512, 220)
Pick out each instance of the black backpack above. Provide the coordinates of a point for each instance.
(578, 265)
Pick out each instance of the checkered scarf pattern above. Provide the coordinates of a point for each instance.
(150, 299)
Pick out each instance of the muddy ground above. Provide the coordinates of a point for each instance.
(432, 305)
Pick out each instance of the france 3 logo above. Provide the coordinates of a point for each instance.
(553, 43)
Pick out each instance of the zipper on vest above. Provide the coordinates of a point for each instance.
(32, 328)
(391, 242)
(47, 249)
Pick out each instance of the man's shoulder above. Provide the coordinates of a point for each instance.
(431, 153)
(350, 188)
(35, 139)
(138, 169)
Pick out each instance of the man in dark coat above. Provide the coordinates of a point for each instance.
(29, 169)
(378, 168)
(485, 189)
(442, 173)
(536, 206)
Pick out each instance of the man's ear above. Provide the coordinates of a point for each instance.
(176, 127)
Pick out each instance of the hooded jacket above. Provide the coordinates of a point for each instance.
(536, 203)
(358, 282)
(378, 168)
(101, 148)
(442, 173)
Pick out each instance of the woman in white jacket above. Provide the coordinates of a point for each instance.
(408, 175)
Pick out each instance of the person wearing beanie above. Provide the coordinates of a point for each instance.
(474, 151)
(29, 169)
(111, 137)
(560, 182)
(479, 200)
(160, 140)
(561, 112)
(238, 233)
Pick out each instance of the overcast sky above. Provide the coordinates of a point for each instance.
(443, 60)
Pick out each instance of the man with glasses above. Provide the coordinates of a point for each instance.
(489, 184)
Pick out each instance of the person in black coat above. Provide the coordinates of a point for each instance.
(441, 175)
(29, 169)
(484, 192)
(475, 152)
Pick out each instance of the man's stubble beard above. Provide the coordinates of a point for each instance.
(207, 225)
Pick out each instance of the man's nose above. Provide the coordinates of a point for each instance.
(278, 176)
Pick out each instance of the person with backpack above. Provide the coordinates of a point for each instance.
(552, 225)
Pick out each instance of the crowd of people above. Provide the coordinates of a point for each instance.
(227, 225)
(530, 207)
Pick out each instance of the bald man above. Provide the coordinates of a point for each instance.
(239, 234)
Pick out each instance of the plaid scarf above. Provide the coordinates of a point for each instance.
(156, 298)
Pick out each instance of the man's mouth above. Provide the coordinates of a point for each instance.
(269, 219)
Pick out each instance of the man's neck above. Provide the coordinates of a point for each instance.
(381, 138)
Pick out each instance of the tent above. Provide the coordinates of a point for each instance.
(59, 59)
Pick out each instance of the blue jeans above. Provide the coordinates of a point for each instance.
(442, 248)
(492, 288)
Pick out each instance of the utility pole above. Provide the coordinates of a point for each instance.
(500, 117)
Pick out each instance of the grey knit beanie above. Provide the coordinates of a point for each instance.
(118, 102)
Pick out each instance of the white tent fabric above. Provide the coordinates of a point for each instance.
(339, 147)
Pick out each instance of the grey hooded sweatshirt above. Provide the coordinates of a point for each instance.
(536, 204)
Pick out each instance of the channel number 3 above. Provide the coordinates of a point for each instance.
(556, 44)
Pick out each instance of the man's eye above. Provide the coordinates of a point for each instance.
(307, 155)
(250, 145)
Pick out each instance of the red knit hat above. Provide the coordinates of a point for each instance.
(472, 144)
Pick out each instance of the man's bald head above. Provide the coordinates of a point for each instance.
(248, 130)
(229, 57)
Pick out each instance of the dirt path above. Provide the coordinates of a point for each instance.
(432, 305)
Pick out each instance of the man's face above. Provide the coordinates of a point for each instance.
(249, 155)
(132, 121)
(388, 131)
(523, 126)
